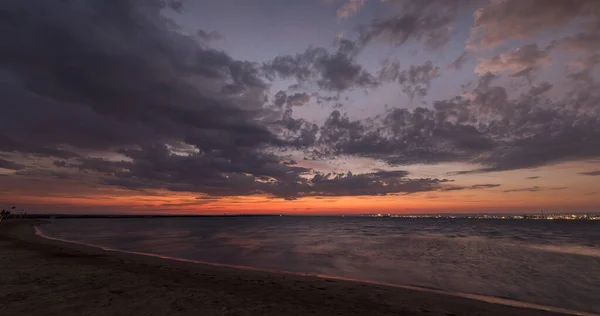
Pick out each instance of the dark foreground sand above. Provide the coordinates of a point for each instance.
(39, 276)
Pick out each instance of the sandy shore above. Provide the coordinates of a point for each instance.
(48, 277)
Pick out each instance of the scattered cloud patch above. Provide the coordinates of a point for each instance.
(591, 173)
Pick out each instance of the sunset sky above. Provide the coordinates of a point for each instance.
(304, 107)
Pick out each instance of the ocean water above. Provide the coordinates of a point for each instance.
(553, 263)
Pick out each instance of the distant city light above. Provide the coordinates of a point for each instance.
(577, 217)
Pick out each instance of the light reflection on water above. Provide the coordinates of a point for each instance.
(554, 263)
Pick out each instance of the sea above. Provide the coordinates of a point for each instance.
(546, 262)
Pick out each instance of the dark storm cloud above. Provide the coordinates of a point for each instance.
(113, 88)
(546, 137)
(40, 174)
(540, 88)
(246, 175)
(115, 78)
(402, 137)
(10, 165)
(375, 183)
(484, 126)
(101, 165)
(243, 172)
(331, 71)
(61, 164)
(209, 36)
(61, 175)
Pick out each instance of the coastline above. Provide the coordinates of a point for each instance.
(61, 277)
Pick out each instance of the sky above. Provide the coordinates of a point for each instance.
(300, 107)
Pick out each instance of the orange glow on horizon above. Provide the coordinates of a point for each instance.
(169, 203)
(64, 196)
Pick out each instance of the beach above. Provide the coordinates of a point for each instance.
(50, 277)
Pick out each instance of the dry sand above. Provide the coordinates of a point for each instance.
(39, 276)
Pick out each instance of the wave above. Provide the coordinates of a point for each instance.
(568, 249)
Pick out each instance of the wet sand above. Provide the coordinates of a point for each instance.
(49, 277)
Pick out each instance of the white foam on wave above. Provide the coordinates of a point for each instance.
(568, 249)
(571, 249)
(483, 298)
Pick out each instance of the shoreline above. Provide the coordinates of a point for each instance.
(483, 298)
(283, 293)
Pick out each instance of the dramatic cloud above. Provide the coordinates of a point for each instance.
(297, 99)
(376, 183)
(320, 99)
(522, 61)
(178, 116)
(332, 71)
(402, 137)
(588, 42)
(10, 165)
(209, 36)
(482, 127)
(415, 81)
(157, 168)
(115, 90)
(242, 173)
(540, 88)
(116, 94)
(142, 93)
(501, 21)
(427, 22)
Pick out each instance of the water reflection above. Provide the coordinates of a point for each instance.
(535, 261)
